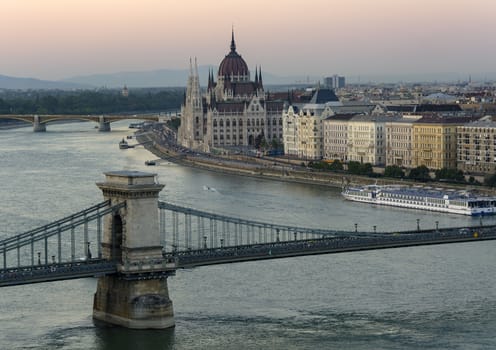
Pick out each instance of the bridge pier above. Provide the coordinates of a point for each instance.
(103, 124)
(137, 297)
(37, 125)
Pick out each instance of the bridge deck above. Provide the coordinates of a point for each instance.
(56, 272)
(326, 245)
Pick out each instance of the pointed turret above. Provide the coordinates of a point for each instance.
(233, 44)
(260, 77)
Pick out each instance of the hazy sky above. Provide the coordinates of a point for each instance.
(54, 39)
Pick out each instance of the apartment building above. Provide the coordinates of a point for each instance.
(476, 147)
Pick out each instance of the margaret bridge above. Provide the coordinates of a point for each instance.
(133, 242)
(40, 122)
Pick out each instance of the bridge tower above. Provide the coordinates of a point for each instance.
(137, 296)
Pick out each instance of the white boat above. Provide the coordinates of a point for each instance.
(123, 144)
(423, 198)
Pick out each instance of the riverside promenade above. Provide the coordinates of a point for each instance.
(161, 142)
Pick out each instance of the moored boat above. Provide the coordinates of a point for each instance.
(423, 198)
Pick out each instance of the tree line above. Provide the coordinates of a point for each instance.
(103, 101)
(420, 173)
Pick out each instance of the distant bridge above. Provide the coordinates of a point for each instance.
(131, 239)
(40, 121)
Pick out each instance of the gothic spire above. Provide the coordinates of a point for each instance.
(260, 76)
(233, 44)
(256, 76)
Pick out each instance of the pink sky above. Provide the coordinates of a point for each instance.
(54, 39)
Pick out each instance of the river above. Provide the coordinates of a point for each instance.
(437, 297)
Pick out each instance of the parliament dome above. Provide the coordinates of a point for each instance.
(233, 64)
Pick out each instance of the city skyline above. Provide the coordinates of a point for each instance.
(55, 39)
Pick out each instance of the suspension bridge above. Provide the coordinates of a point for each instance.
(133, 242)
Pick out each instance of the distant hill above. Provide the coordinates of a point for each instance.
(169, 78)
(14, 83)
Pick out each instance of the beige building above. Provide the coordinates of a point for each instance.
(399, 141)
(367, 139)
(476, 149)
(336, 137)
(303, 127)
(435, 141)
(290, 131)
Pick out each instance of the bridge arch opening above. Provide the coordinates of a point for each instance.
(117, 234)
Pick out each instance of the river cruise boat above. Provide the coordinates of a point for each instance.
(423, 198)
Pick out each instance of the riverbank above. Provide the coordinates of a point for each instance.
(272, 168)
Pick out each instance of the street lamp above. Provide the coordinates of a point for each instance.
(418, 224)
(356, 227)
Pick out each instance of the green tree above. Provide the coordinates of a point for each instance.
(336, 165)
(394, 171)
(490, 180)
(357, 168)
(447, 174)
(420, 173)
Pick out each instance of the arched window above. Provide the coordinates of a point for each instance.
(241, 122)
(234, 122)
(221, 123)
(248, 122)
(116, 249)
(280, 121)
(258, 123)
(215, 122)
(274, 121)
(228, 124)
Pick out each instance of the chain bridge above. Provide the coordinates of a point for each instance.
(133, 242)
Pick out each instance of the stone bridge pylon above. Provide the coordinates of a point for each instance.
(131, 238)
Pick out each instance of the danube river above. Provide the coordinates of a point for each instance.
(436, 297)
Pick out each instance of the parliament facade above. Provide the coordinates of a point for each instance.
(233, 111)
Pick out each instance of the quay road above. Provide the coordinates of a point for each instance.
(329, 244)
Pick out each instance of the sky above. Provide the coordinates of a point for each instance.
(56, 39)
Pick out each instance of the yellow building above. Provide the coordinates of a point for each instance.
(435, 142)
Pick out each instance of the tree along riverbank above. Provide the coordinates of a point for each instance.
(272, 168)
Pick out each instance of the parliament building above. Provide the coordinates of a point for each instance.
(233, 110)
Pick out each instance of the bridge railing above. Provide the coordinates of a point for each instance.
(67, 239)
(56, 224)
(184, 228)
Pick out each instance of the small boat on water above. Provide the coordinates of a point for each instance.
(150, 162)
(423, 198)
(129, 137)
(123, 144)
(136, 125)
